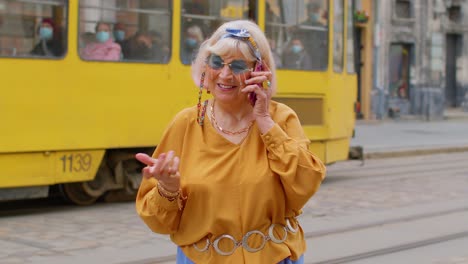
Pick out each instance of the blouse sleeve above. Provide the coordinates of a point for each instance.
(159, 214)
(300, 171)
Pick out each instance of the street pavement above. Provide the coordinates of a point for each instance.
(113, 233)
(408, 137)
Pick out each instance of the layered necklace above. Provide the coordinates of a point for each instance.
(240, 131)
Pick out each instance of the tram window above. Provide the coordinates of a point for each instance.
(350, 39)
(298, 33)
(338, 36)
(134, 30)
(201, 17)
(33, 28)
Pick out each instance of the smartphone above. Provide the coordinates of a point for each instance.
(252, 96)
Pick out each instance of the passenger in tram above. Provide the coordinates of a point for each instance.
(192, 39)
(104, 48)
(314, 15)
(296, 57)
(144, 45)
(86, 38)
(315, 40)
(160, 49)
(231, 175)
(119, 33)
(50, 40)
(274, 53)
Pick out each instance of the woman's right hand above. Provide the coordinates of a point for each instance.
(165, 169)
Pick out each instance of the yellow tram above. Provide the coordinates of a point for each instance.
(74, 121)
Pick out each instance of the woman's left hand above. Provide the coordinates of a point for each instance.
(259, 84)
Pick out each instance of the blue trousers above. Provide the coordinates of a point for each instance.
(182, 259)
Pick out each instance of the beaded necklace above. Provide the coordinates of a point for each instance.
(240, 131)
(201, 110)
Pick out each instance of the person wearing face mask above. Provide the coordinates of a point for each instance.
(296, 57)
(314, 35)
(119, 33)
(193, 38)
(314, 15)
(104, 48)
(50, 43)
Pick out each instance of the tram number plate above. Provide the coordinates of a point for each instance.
(76, 162)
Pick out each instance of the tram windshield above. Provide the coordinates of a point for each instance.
(201, 17)
(298, 33)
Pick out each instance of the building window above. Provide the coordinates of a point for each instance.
(404, 8)
(33, 28)
(400, 62)
(454, 13)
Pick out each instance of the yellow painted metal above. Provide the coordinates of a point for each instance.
(334, 150)
(48, 167)
(52, 109)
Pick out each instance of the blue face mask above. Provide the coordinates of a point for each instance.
(102, 36)
(119, 35)
(46, 33)
(296, 48)
(315, 17)
(191, 42)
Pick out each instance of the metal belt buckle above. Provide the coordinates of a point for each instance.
(290, 227)
(207, 246)
(225, 253)
(272, 235)
(245, 243)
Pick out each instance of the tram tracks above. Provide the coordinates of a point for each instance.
(315, 236)
(379, 238)
(391, 169)
(394, 249)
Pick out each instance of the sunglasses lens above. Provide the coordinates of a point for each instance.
(239, 66)
(215, 62)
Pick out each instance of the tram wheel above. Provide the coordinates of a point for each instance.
(76, 193)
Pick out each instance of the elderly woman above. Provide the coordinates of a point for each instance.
(230, 175)
(104, 48)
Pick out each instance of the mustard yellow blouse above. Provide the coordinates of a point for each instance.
(234, 188)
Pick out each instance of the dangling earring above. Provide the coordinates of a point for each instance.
(201, 110)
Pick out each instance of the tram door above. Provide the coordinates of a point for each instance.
(358, 59)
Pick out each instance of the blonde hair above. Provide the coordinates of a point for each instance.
(223, 46)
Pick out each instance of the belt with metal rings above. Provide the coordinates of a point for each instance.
(244, 241)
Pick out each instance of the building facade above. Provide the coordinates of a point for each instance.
(420, 64)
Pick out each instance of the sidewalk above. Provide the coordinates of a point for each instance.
(409, 137)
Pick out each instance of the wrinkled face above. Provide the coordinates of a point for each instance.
(226, 76)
